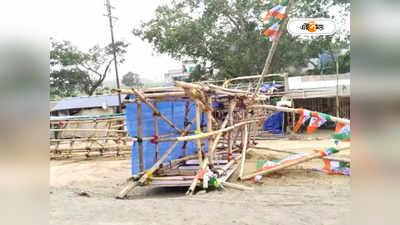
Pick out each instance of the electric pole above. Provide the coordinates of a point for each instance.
(110, 19)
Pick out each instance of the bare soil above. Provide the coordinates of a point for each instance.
(82, 192)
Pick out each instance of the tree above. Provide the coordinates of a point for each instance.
(226, 36)
(132, 80)
(73, 71)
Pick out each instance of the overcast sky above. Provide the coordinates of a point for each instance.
(83, 23)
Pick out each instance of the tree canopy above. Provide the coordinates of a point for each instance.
(131, 79)
(73, 71)
(226, 36)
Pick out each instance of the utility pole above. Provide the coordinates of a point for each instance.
(110, 18)
(337, 86)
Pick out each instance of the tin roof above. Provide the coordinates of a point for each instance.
(88, 102)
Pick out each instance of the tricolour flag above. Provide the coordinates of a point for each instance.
(278, 11)
(342, 132)
(316, 121)
(272, 30)
(304, 116)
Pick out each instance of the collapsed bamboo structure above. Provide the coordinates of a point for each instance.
(233, 119)
(228, 133)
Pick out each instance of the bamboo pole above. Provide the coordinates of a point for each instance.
(243, 152)
(292, 163)
(186, 120)
(140, 134)
(198, 128)
(209, 129)
(294, 152)
(89, 130)
(223, 125)
(230, 119)
(156, 132)
(206, 88)
(284, 109)
(72, 121)
(146, 175)
(192, 187)
(273, 48)
(155, 110)
(71, 148)
(206, 135)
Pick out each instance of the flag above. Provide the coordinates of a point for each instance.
(317, 120)
(342, 132)
(335, 167)
(265, 1)
(278, 11)
(304, 116)
(272, 30)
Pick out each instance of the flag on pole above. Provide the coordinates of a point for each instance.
(265, 1)
(317, 120)
(304, 116)
(278, 11)
(272, 30)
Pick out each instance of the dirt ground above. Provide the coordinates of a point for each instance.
(293, 196)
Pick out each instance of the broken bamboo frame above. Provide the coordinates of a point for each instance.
(155, 110)
(149, 172)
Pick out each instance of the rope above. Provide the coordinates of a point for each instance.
(154, 140)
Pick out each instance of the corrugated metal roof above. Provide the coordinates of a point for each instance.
(88, 102)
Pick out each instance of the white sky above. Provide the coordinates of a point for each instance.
(82, 22)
